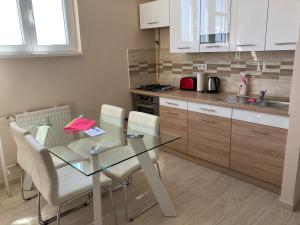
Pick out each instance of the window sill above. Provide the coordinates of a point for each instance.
(40, 54)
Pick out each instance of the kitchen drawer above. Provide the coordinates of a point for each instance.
(173, 103)
(174, 121)
(209, 138)
(210, 109)
(258, 151)
(261, 118)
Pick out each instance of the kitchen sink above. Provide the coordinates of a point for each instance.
(242, 100)
(275, 104)
(255, 101)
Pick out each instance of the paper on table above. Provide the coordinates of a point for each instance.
(95, 131)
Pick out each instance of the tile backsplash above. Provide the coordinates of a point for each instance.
(271, 71)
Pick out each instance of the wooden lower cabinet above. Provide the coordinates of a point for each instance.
(174, 121)
(209, 138)
(258, 151)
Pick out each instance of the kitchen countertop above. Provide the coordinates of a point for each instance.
(212, 99)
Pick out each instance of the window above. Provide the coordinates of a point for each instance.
(38, 27)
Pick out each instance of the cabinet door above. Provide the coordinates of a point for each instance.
(184, 25)
(174, 121)
(154, 14)
(214, 25)
(283, 25)
(248, 25)
(258, 151)
(209, 138)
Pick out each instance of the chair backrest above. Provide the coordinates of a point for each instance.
(143, 122)
(112, 114)
(43, 172)
(18, 134)
(36, 160)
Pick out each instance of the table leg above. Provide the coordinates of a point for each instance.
(153, 178)
(96, 192)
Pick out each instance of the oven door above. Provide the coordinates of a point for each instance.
(152, 109)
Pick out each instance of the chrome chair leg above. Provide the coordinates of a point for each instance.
(59, 214)
(124, 185)
(22, 188)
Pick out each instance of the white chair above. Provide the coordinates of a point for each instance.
(112, 114)
(57, 186)
(121, 173)
(18, 134)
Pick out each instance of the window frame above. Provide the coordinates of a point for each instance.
(30, 47)
(25, 47)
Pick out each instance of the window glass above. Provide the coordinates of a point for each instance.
(49, 21)
(220, 6)
(10, 28)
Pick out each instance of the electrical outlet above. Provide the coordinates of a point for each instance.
(202, 66)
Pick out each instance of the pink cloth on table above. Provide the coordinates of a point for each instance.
(80, 124)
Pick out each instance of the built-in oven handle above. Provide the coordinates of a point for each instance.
(145, 106)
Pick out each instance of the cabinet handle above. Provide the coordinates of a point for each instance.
(173, 114)
(213, 46)
(208, 110)
(183, 47)
(171, 103)
(152, 23)
(208, 121)
(260, 132)
(246, 45)
(286, 43)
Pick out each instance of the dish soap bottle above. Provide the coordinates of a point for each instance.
(243, 85)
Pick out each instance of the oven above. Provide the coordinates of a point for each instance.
(145, 103)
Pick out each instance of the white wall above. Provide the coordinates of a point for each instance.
(290, 193)
(108, 29)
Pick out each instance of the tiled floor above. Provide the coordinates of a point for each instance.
(201, 196)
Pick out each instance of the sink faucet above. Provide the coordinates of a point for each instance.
(262, 95)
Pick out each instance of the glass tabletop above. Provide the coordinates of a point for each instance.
(79, 149)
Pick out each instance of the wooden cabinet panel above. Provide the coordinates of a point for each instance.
(174, 121)
(258, 151)
(209, 138)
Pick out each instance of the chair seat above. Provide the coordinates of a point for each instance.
(122, 170)
(72, 183)
(66, 153)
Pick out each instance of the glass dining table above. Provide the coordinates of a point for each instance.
(86, 153)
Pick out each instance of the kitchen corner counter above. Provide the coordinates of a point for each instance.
(212, 99)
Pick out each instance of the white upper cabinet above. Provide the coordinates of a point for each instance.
(184, 25)
(283, 24)
(214, 25)
(248, 25)
(154, 14)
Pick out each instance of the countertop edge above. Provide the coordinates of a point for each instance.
(216, 102)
